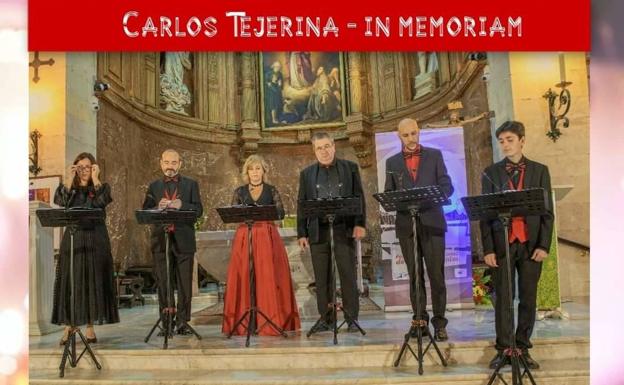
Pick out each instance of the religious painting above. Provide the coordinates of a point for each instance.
(42, 189)
(302, 89)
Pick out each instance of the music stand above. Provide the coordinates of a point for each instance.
(166, 218)
(329, 208)
(415, 200)
(503, 206)
(249, 215)
(73, 219)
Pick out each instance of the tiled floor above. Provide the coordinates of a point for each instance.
(382, 328)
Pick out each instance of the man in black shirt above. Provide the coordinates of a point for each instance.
(529, 242)
(327, 178)
(174, 192)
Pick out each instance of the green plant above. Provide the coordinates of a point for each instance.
(199, 222)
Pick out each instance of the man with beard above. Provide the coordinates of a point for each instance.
(174, 192)
(420, 166)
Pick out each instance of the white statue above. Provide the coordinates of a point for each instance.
(427, 62)
(173, 92)
(426, 80)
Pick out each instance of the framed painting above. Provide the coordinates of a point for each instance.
(302, 89)
(42, 189)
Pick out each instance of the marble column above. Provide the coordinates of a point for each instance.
(250, 129)
(359, 128)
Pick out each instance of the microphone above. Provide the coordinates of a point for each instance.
(498, 188)
(401, 181)
(318, 190)
(510, 178)
(152, 199)
(71, 198)
(399, 176)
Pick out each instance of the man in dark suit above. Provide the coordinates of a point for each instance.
(420, 166)
(174, 192)
(332, 177)
(529, 241)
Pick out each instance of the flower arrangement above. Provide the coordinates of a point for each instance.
(481, 290)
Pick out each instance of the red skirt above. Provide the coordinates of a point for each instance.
(274, 290)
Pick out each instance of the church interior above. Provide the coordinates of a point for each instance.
(217, 109)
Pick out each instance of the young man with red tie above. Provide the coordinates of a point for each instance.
(174, 192)
(420, 166)
(529, 241)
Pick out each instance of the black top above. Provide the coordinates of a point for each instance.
(540, 227)
(83, 196)
(327, 181)
(268, 196)
(431, 172)
(187, 190)
(350, 186)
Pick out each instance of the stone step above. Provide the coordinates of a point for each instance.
(553, 372)
(299, 356)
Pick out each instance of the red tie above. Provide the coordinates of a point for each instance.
(171, 227)
(518, 224)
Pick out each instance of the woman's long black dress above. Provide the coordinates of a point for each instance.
(95, 294)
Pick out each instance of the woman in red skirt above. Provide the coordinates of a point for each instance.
(274, 290)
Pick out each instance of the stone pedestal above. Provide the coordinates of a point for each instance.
(425, 84)
(41, 281)
(302, 273)
(213, 253)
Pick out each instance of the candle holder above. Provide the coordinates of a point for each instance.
(33, 157)
(558, 107)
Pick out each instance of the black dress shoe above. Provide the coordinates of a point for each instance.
(531, 363)
(498, 359)
(440, 334)
(183, 331)
(424, 328)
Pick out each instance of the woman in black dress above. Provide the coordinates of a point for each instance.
(95, 299)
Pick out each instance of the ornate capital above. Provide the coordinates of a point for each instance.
(249, 137)
(361, 137)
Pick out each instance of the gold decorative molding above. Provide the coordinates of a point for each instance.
(359, 125)
(436, 103)
(249, 139)
(361, 136)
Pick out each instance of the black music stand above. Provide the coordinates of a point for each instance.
(249, 215)
(73, 219)
(166, 218)
(503, 206)
(329, 208)
(415, 200)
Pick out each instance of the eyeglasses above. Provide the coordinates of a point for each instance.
(83, 168)
(323, 148)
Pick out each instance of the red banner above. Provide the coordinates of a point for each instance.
(366, 25)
